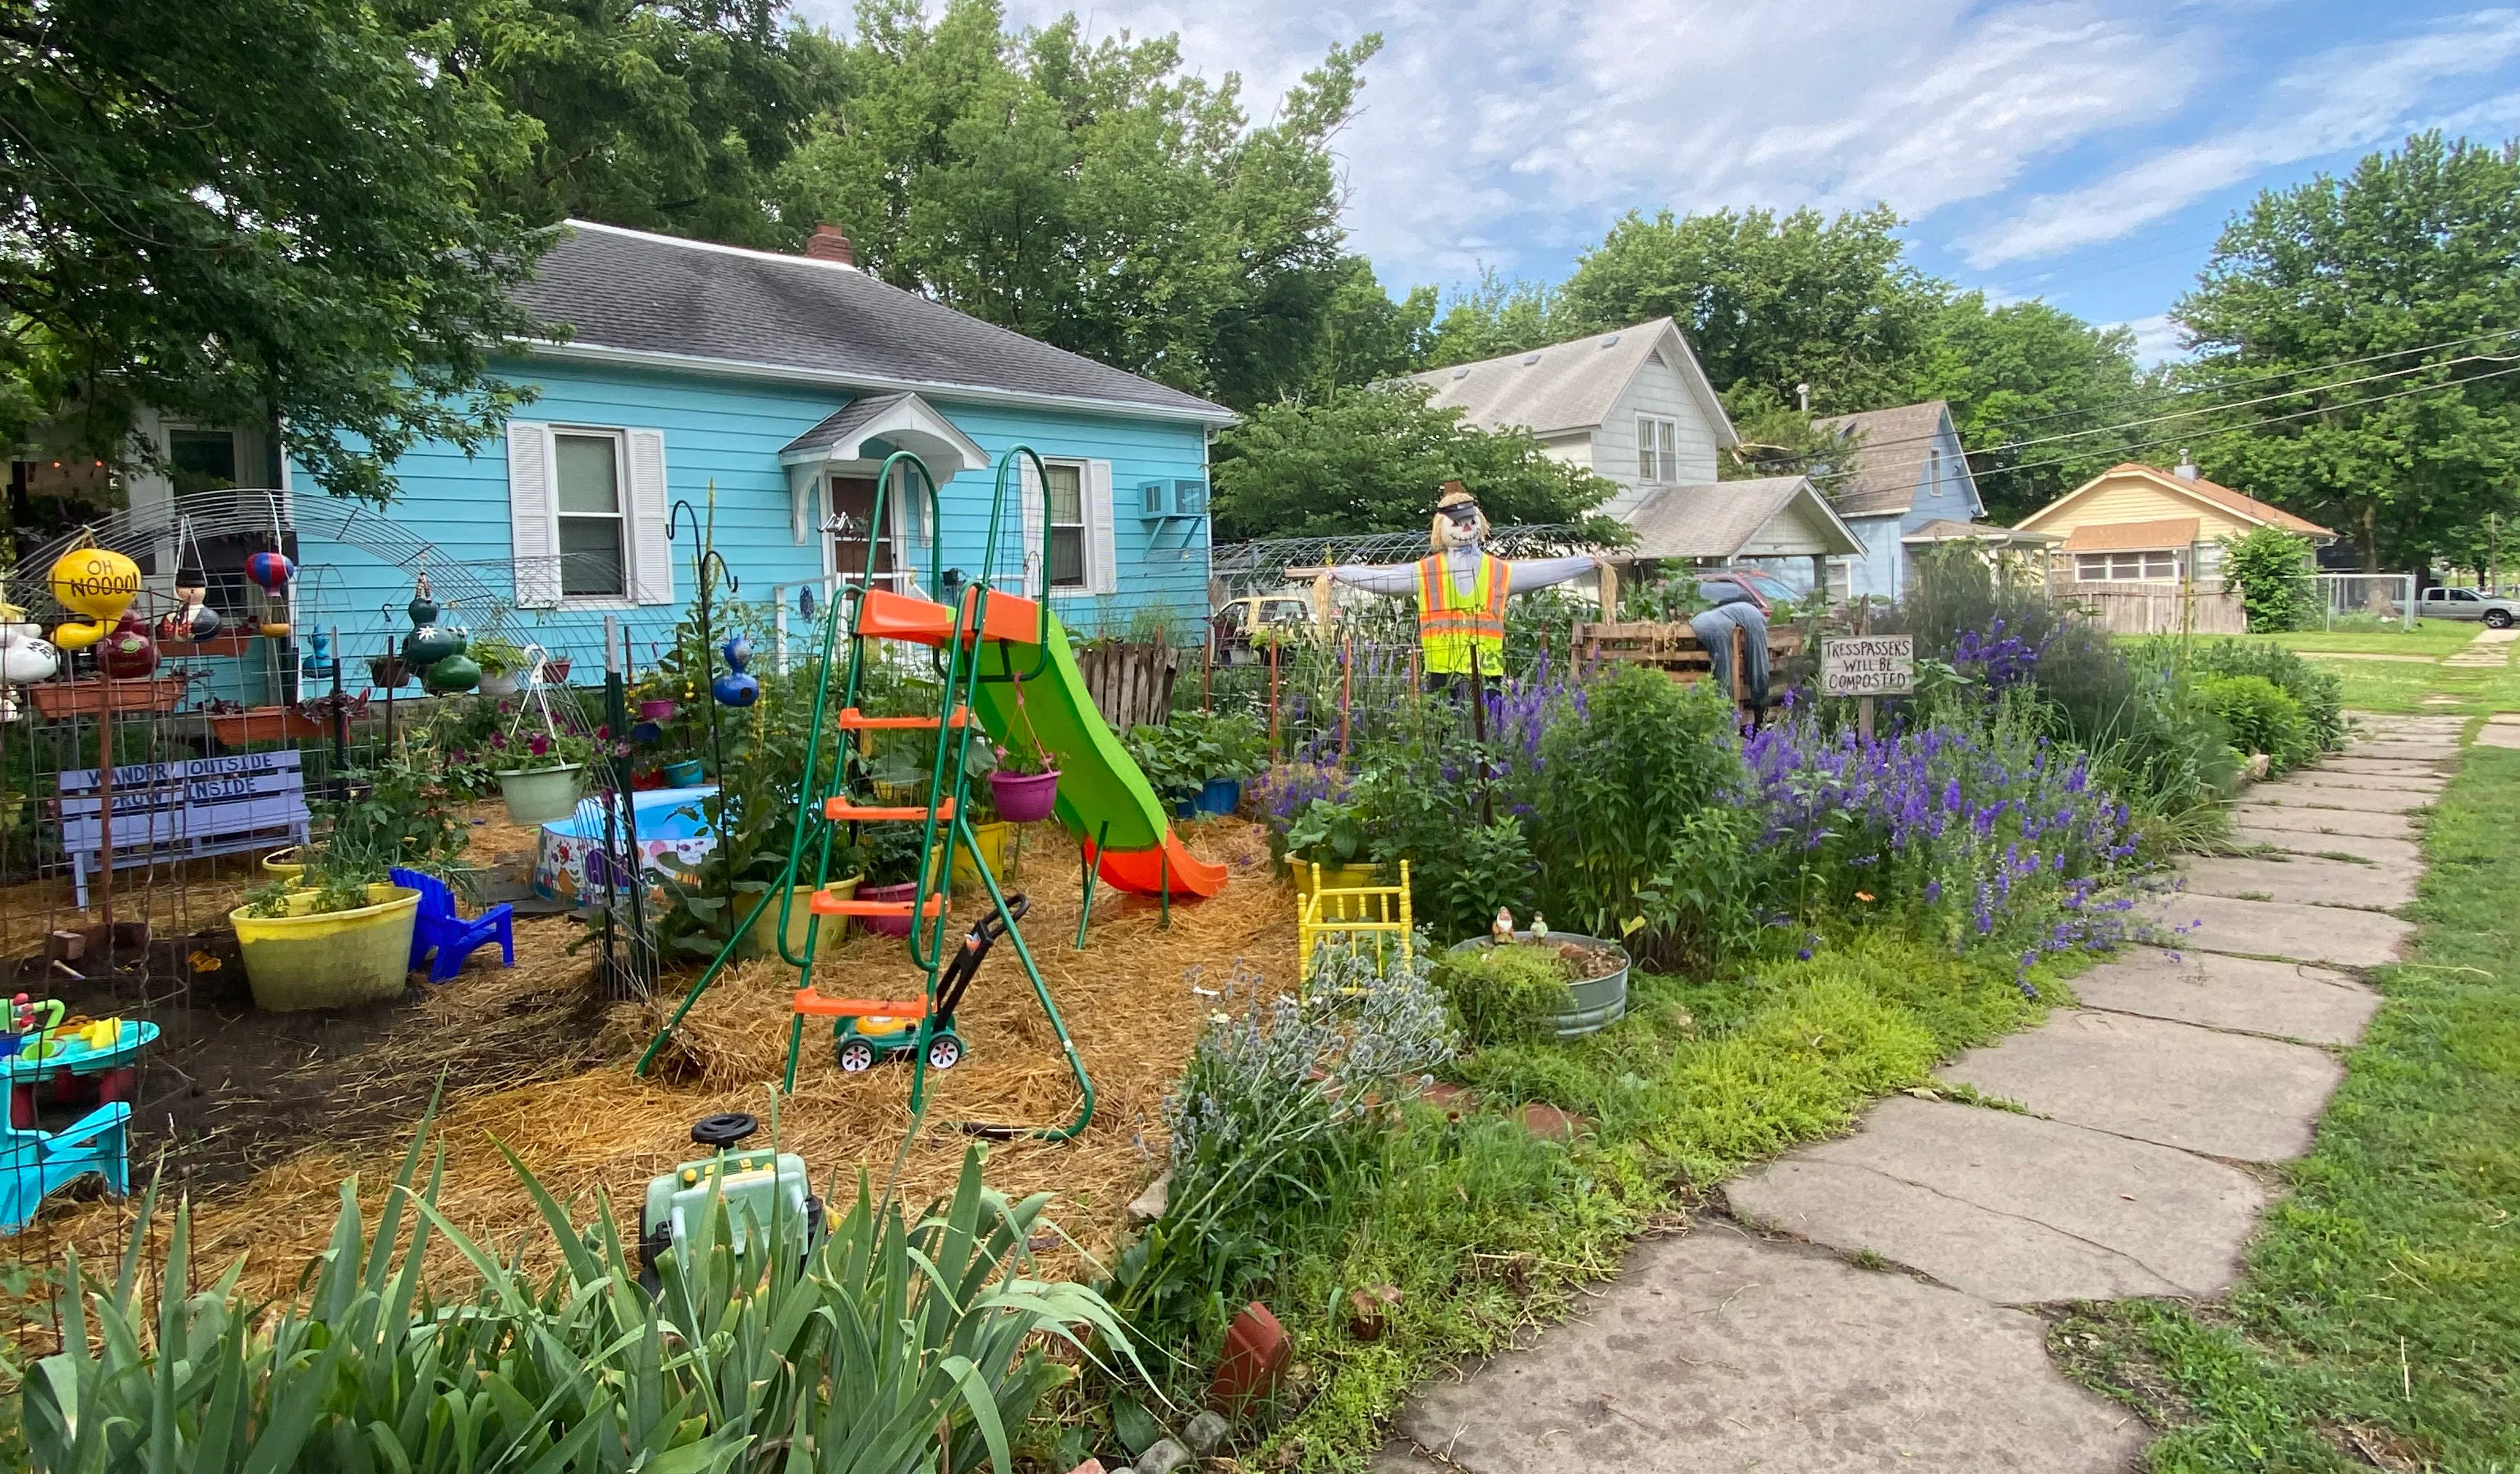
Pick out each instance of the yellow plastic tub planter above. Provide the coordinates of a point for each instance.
(332, 959)
(765, 931)
(283, 864)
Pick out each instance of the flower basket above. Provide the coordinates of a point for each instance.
(388, 673)
(1024, 797)
(556, 671)
(887, 926)
(86, 698)
(541, 795)
(334, 959)
(685, 773)
(265, 724)
(657, 711)
(502, 684)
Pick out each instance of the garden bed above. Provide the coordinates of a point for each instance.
(286, 1109)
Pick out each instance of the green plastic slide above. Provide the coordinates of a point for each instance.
(1104, 799)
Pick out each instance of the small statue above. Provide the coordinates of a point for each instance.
(1539, 927)
(1503, 931)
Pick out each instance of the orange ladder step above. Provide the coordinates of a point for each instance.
(855, 720)
(885, 614)
(862, 813)
(815, 1004)
(824, 904)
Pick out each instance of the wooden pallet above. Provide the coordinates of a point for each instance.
(1674, 649)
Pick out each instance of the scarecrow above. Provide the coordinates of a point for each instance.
(1461, 590)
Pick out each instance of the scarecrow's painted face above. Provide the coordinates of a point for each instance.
(1460, 525)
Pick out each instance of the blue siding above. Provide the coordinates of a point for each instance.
(726, 435)
(1882, 570)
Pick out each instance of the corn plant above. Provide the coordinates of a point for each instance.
(895, 1346)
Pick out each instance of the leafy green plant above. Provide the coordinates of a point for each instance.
(495, 656)
(2262, 716)
(2273, 571)
(1505, 995)
(1488, 866)
(396, 811)
(1327, 833)
(2320, 693)
(901, 1341)
(1625, 775)
(330, 883)
(539, 752)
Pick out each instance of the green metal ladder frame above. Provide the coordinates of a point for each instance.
(948, 779)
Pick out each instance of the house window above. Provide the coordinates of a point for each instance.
(2126, 567)
(1934, 471)
(1063, 497)
(593, 546)
(1658, 449)
(200, 460)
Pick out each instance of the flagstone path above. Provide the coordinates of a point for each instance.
(1867, 1305)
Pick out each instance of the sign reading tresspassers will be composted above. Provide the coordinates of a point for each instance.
(1868, 665)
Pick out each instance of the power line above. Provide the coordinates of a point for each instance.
(2236, 381)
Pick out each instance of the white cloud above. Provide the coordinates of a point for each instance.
(2351, 97)
(2156, 338)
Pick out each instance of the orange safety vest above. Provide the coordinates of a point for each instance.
(1453, 628)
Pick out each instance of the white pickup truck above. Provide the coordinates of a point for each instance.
(2468, 604)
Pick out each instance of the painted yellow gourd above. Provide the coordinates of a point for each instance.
(97, 582)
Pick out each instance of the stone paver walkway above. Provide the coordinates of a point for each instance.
(2122, 1167)
(2491, 646)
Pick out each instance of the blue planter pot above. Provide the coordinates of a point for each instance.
(1221, 796)
(683, 774)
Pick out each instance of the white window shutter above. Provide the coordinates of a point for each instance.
(1036, 520)
(1103, 567)
(533, 524)
(651, 552)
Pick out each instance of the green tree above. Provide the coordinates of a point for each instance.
(1769, 300)
(1089, 195)
(2414, 247)
(252, 210)
(2029, 371)
(2274, 571)
(1369, 461)
(657, 114)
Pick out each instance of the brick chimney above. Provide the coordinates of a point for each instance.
(831, 243)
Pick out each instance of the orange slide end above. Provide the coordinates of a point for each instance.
(1145, 872)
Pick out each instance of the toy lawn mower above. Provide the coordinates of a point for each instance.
(858, 1040)
(760, 1189)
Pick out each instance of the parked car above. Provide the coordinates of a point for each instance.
(2468, 604)
(1235, 622)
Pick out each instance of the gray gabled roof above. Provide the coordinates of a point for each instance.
(637, 296)
(1881, 473)
(1722, 518)
(1573, 385)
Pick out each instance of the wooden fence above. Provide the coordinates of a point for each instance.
(1132, 686)
(2162, 608)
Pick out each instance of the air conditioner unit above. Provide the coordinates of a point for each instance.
(1177, 497)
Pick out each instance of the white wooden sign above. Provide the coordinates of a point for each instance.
(1868, 665)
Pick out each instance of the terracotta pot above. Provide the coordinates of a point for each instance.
(1253, 1362)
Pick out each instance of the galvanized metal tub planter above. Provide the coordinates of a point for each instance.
(1592, 1004)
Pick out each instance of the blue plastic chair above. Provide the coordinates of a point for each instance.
(439, 929)
(35, 1164)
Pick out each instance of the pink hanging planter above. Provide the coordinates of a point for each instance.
(1024, 797)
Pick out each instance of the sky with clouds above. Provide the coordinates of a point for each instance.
(2084, 152)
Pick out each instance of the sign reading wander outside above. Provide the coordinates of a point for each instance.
(1872, 664)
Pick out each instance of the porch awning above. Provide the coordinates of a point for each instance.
(855, 439)
(2133, 536)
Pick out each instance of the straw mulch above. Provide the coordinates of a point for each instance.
(1133, 1002)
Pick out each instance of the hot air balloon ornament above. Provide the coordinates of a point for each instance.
(270, 571)
(97, 582)
(735, 688)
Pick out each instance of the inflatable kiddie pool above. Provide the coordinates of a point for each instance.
(669, 823)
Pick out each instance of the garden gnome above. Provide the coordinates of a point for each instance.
(1461, 590)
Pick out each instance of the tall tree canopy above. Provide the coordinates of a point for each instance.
(241, 210)
(2336, 280)
(2030, 372)
(658, 115)
(1090, 195)
(1369, 461)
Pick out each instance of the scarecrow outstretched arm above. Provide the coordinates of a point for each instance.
(1526, 573)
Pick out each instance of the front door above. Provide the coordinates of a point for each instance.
(852, 513)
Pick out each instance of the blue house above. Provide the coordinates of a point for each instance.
(764, 390)
(1904, 482)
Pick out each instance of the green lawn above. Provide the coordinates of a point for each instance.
(2435, 638)
(2378, 1320)
(2393, 687)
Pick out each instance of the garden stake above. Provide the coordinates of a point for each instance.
(1347, 673)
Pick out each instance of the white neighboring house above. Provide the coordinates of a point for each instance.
(1633, 408)
(1633, 405)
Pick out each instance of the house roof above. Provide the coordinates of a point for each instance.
(2126, 536)
(632, 296)
(1950, 530)
(903, 420)
(1880, 473)
(2213, 495)
(1572, 386)
(1724, 519)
